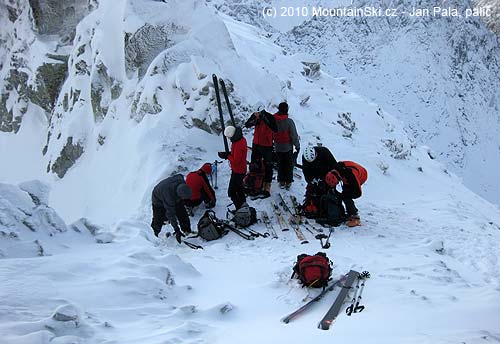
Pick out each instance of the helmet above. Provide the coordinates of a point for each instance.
(332, 178)
(309, 154)
(229, 131)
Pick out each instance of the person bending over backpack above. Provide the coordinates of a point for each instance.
(200, 186)
(238, 161)
(317, 162)
(352, 176)
(167, 200)
(262, 145)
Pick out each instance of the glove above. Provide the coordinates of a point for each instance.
(210, 204)
(178, 236)
(223, 155)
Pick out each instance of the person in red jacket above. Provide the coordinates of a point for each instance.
(262, 145)
(285, 138)
(238, 161)
(200, 186)
(352, 176)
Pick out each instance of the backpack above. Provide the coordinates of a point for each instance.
(333, 208)
(209, 227)
(245, 216)
(312, 202)
(313, 271)
(254, 180)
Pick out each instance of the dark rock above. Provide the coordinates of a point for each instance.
(69, 155)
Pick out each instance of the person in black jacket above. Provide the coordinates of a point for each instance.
(262, 145)
(317, 162)
(167, 200)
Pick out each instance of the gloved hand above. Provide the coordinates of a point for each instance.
(178, 236)
(210, 204)
(223, 155)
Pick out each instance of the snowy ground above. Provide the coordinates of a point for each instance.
(430, 244)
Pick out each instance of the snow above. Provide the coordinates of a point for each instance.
(80, 264)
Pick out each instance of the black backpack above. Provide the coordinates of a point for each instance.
(209, 227)
(333, 209)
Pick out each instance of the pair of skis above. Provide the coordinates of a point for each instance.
(269, 225)
(295, 220)
(219, 106)
(346, 282)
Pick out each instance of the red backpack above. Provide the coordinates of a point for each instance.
(313, 271)
(254, 180)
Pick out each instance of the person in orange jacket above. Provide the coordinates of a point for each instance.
(200, 186)
(238, 161)
(352, 175)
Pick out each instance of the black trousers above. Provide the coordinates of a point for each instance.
(350, 207)
(235, 190)
(266, 153)
(159, 218)
(285, 167)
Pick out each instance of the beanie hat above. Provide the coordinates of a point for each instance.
(207, 168)
(184, 191)
(229, 131)
(283, 107)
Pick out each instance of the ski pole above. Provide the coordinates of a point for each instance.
(350, 309)
(359, 308)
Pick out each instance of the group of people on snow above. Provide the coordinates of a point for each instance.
(275, 137)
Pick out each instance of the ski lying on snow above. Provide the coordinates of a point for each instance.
(278, 214)
(294, 221)
(269, 225)
(300, 310)
(334, 310)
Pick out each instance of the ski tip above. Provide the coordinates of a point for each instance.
(305, 242)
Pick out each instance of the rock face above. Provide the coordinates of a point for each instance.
(54, 17)
(493, 21)
(68, 156)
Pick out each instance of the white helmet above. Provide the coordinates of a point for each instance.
(309, 154)
(229, 131)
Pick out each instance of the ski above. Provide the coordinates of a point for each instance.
(294, 221)
(281, 220)
(226, 98)
(300, 310)
(219, 106)
(269, 225)
(334, 310)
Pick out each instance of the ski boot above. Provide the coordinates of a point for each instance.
(353, 221)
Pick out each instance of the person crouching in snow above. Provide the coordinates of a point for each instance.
(238, 161)
(167, 200)
(200, 186)
(352, 176)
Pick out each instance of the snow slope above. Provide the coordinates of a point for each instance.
(429, 242)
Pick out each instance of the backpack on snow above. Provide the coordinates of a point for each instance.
(333, 209)
(313, 271)
(245, 216)
(209, 227)
(254, 180)
(312, 202)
